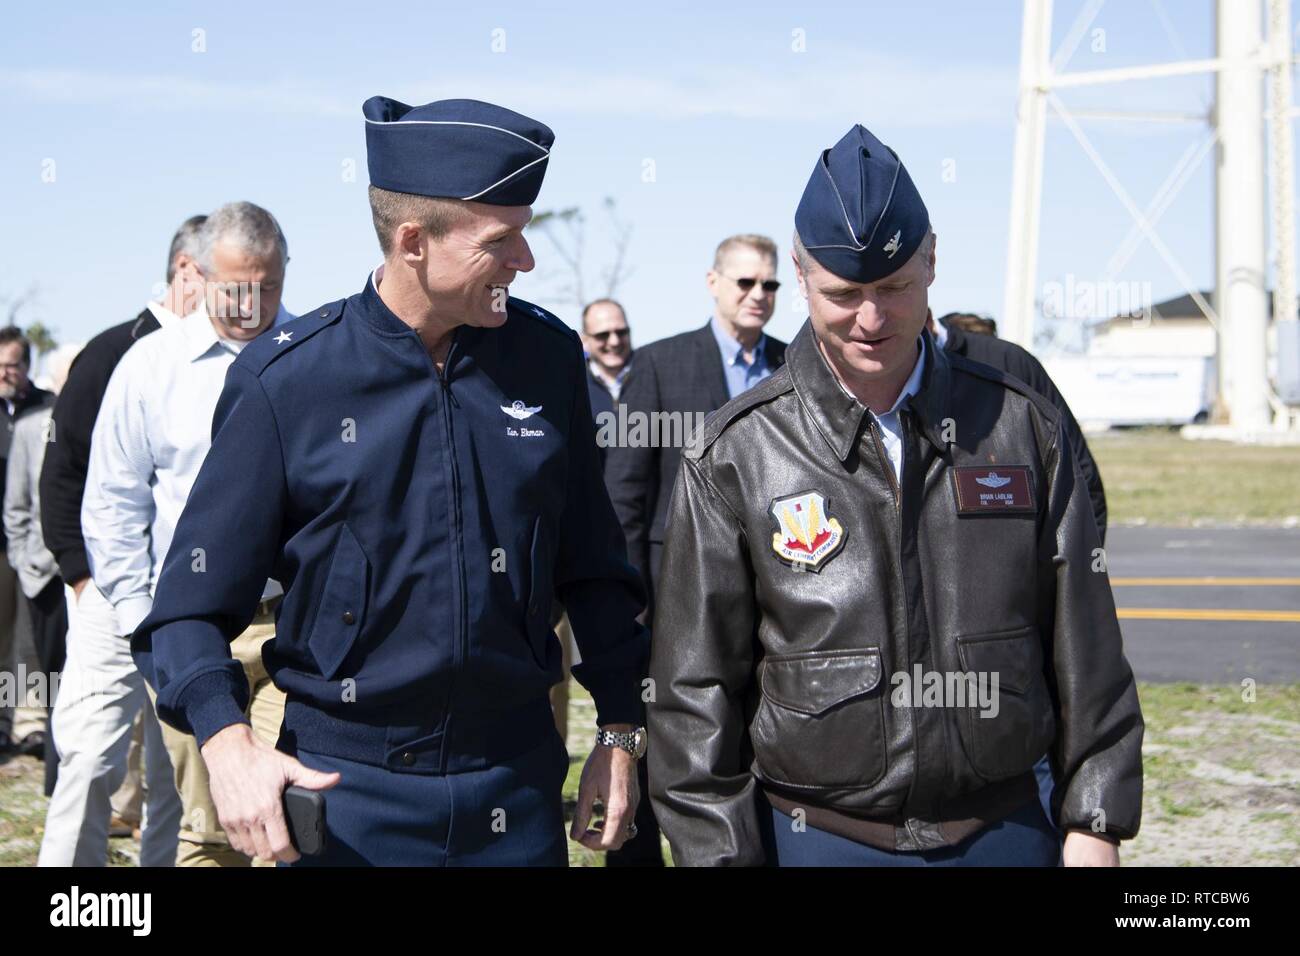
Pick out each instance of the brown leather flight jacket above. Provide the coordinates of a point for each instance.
(800, 583)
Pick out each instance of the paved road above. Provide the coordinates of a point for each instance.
(1258, 588)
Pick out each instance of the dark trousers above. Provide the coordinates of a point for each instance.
(510, 814)
(1025, 838)
(49, 613)
(1046, 784)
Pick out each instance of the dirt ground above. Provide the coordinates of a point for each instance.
(1222, 782)
(1222, 777)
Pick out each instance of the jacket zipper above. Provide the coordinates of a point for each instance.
(898, 554)
(459, 608)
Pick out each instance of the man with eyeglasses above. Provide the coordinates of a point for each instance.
(23, 728)
(691, 373)
(687, 376)
(607, 341)
(102, 691)
(151, 438)
(607, 344)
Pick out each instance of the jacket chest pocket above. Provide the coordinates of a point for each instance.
(821, 723)
(341, 611)
(1006, 733)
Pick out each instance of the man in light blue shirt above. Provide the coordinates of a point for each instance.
(683, 378)
(150, 440)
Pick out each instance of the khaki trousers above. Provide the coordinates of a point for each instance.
(202, 841)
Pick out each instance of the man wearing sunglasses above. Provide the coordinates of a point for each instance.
(692, 373)
(688, 375)
(607, 340)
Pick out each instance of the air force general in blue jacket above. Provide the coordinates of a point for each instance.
(420, 524)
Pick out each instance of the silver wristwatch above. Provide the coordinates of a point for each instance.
(634, 743)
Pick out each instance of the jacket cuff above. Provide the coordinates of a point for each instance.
(73, 565)
(131, 611)
(618, 699)
(210, 704)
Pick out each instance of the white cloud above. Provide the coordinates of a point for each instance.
(891, 91)
(155, 92)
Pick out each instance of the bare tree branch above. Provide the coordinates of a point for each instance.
(619, 270)
(566, 230)
(568, 245)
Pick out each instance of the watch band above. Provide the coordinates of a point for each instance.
(634, 742)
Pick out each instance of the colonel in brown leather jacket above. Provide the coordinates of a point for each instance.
(887, 596)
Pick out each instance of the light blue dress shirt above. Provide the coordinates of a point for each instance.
(891, 426)
(741, 375)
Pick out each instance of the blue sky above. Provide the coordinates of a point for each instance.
(144, 130)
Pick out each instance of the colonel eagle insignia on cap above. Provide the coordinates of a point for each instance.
(858, 194)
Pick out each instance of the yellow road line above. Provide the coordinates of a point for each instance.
(1205, 582)
(1205, 614)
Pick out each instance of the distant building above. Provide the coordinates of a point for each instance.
(1175, 327)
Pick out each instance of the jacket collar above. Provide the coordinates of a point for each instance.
(839, 416)
(932, 403)
(380, 317)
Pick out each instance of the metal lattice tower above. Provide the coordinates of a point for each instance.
(1245, 56)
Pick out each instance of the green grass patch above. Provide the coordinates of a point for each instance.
(1154, 476)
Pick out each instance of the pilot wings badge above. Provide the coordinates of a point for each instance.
(993, 480)
(807, 536)
(519, 410)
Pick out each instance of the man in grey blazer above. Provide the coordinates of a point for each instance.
(692, 374)
(36, 569)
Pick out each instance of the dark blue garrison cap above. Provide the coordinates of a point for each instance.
(456, 149)
(860, 216)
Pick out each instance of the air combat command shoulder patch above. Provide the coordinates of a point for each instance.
(806, 535)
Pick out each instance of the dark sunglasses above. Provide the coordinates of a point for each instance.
(604, 336)
(769, 285)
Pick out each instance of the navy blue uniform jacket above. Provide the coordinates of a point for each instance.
(421, 525)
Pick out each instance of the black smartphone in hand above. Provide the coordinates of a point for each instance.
(304, 812)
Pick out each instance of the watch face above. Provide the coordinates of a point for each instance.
(640, 746)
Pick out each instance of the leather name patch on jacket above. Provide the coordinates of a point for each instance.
(993, 489)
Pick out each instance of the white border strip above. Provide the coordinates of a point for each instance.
(457, 123)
